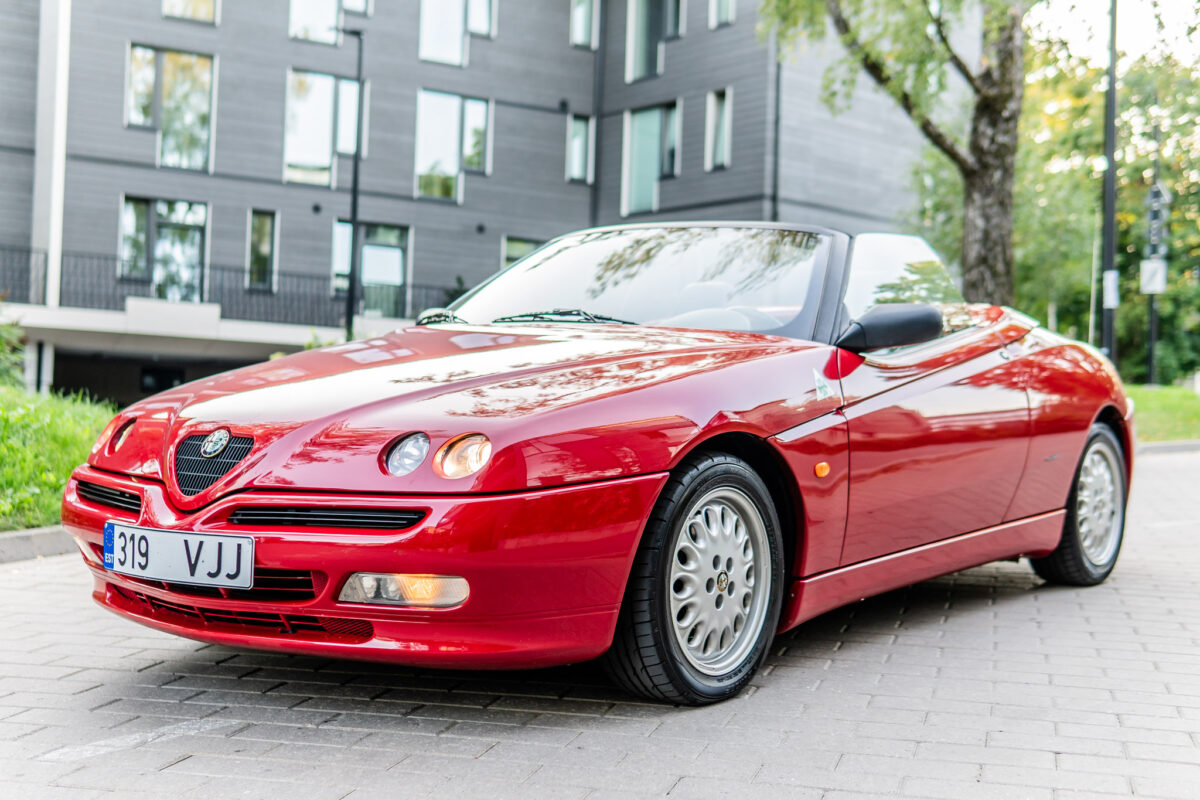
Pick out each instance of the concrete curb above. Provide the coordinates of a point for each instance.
(1183, 446)
(35, 543)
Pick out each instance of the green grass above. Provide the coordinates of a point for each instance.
(1165, 413)
(41, 440)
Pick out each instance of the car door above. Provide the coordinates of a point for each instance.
(938, 432)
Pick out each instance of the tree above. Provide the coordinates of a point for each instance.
(1057, 200)
(908, 48)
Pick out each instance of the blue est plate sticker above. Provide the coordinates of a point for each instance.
(108, 545)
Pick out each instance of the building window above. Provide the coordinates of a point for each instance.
(171, 92)
(360, 7)
(475, 135)
(717, 148)
(651, 152)
(162, 243)
(347, 117)
(314, 21)
(382, 261)
(646, 28)
(443, 32)
(581, 136)
(479, 17)
(674, 14)
(261, 261)
(322, 114)
(515, 249)
(453, 135)
(721, 12)
(199, 10)
(584, 24)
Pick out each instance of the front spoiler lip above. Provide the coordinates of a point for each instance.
(520, 642)
(547, 569)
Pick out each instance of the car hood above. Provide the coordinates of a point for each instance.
(561, 404)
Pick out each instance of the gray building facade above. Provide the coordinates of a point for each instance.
(175, 174)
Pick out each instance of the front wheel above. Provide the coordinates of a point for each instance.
(1095, 523)
(704, 595)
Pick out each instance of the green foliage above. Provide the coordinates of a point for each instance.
(900, 33)
(922, 282)
(11, 355)
(41, 440)
(1166, 413)
(1055, 210)
(1057, 200)
(437, 184)
(316, 342)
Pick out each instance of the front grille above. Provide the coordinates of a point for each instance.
(270, 585)
(113, 498)
(194, 473)
(300, 626)
(373, 518)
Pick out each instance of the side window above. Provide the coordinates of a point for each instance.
(889, 268)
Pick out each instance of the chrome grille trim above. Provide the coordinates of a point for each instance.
(194, 473)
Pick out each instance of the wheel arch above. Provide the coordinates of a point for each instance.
(1111, 417)
(771, 466)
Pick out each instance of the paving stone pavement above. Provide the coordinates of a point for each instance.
(982, 684)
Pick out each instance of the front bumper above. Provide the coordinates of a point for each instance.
(546, 569)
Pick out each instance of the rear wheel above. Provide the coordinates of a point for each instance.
(704, 595)
(1095, 523)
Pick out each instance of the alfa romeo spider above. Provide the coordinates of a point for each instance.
(655, 444)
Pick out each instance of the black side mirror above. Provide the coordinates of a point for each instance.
(892, 325)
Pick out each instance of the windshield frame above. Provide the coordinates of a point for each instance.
(814, 320)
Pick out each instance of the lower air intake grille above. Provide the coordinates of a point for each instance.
(297, 626)
(374, 518)
(194, 473)
(105, 496)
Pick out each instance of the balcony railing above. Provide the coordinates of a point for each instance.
(104, 282)
(22, 275)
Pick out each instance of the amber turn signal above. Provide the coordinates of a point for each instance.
(821, 469)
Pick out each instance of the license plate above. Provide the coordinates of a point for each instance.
(201, 559)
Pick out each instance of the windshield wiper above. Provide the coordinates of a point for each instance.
(442, 315)
(555, 314)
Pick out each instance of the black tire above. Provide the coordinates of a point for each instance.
(1070, 563)
(646, 657)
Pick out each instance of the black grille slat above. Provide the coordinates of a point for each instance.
(372, 518)
(194, 473)
(105, 496)
(288, 586)
(359, 630)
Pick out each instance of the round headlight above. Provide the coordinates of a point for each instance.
(463, 456)
(407, 454)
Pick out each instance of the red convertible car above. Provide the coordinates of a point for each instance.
(659, 444)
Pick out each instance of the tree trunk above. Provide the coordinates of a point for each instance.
(987, 254)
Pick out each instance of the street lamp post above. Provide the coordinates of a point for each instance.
(1111, 295)
(355, 258)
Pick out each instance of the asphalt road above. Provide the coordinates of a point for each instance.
(981, 684)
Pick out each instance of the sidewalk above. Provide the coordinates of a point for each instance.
(982, 684)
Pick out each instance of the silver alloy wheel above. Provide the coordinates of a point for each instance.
(719, 583)
(1099, 504)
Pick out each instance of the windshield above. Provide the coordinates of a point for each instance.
(715, 278)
